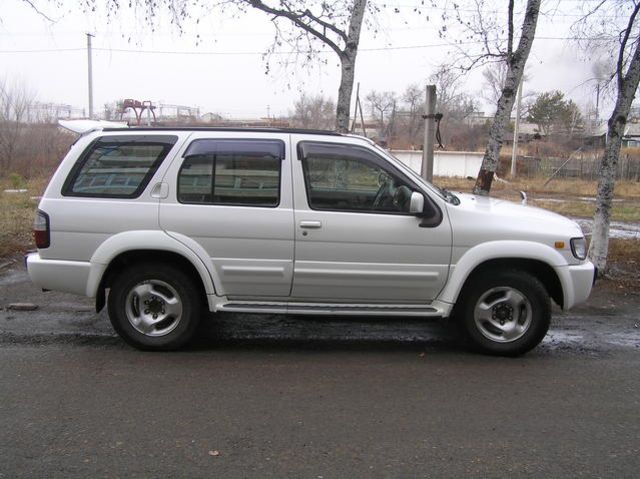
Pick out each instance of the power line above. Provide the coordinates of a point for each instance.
(291, 52)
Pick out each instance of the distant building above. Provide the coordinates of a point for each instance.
(631, 136)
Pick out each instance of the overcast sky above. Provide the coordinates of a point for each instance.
(232, 82)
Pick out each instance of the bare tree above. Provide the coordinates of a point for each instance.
(15, 99)
(413, 98)
(337, 25)
(302, 26)
(495, 75)
(515, 61)
(452, 101)
(381, 104)
(484, 27)
(627, 78)
(313, 112)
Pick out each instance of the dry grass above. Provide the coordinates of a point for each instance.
(623, 262)
(558, 188)
(16, 216)
(586, 209)
(572, 191)
(624, 251)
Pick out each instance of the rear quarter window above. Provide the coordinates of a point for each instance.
(118, 166)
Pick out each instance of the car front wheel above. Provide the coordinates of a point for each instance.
(505, 312)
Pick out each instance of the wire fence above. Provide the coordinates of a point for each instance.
(581, 166)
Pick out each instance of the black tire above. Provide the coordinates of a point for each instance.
(164, 287)
(517, 322)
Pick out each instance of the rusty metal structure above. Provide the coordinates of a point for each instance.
(138, 108)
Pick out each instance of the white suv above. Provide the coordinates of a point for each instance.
(173, 221)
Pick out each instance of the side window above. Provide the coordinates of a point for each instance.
(118, 166)
(231, 172)
(349, 178)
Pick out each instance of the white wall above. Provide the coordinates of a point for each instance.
(445, 163)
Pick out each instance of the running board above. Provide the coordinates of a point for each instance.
(327, 309)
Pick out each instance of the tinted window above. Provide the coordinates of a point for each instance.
(119, 167)
(351, 179)
(231, 172)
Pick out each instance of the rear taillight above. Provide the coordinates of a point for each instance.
(41, 230)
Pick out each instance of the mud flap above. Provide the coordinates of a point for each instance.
(100, 299)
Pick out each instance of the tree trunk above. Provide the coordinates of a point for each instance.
(343, 106)
(348, 66)
(599, 246)
(516, 63)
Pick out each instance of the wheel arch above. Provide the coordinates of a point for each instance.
(129, 258)
(153, 246)
(536, 268)
(539, 260)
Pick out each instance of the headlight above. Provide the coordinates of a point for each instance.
(579, 247)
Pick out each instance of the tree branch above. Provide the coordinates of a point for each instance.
(325, 24)
(296, 19)
(623, 46)
(38, 11)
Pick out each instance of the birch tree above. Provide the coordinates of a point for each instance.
(336, 25)
(515, 61)
(484, 28)
(627, 77)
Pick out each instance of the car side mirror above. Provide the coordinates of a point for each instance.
(416, 203)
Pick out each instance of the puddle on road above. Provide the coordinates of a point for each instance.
(12, 276)
(617, 229)
(593, 339)
(566, 337)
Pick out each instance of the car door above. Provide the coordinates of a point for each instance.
(355, 239)
(232, 195)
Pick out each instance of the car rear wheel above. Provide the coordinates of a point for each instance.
(504, 313)
(154, 307)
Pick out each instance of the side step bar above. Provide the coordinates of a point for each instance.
(327, 309)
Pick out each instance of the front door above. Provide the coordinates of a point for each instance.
(355, 239)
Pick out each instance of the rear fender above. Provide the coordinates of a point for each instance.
(149, 240)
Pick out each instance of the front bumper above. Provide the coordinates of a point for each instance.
(582, 279)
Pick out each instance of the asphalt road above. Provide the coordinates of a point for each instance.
(270, 396)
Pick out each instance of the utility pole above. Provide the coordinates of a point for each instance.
(429, 133)
(90, 74)
(516, 132)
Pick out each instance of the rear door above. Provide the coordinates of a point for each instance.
(231, 193)
(355, 239)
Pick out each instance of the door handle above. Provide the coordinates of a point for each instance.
(310, 224)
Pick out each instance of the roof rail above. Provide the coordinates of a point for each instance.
(233, 128)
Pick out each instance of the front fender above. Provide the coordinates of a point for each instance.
(146, 240)
(507, 249)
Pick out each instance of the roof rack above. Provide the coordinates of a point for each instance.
(225, 128)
